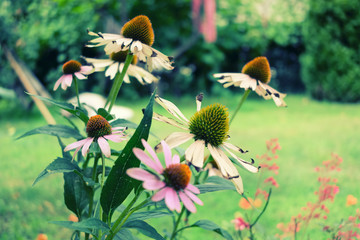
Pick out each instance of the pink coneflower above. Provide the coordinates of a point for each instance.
(98, 130)
(70, 69)
(172, 181)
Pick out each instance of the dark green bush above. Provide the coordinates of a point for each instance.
(331, 63)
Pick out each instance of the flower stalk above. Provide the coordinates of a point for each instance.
(118, 82)
(244, 97)
(77, 90)
(174, 233)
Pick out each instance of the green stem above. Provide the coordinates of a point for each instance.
(118, 82)
(258, 217)
(131, 212)
(102, 184)
(246, 94)
(77, 90)
(121, 217)
(91, 200)
(177, 223)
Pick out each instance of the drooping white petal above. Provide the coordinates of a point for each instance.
(248, 166)
(226, 167)
(175, 139)
(112, 70)
(195, 153)
(171, 108)
(170, 121)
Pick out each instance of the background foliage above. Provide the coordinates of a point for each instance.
(45, 34)
(330, 65)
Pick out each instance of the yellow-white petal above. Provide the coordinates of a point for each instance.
(170, 121)
(248, 166)
(171, 108)
(195, 153)
(175, 139)
(226, 167)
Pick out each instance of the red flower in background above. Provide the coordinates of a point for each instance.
(206, 25)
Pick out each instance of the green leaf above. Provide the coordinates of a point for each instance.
(67, 107)
(209, 225)
(123, 123)
(118, 185)
(86, 226)
(144, 228)
(105, 114)
(214, 184)
(124, 234)
(76, 193)
(147, 215)
(59, 165)
(55, 130)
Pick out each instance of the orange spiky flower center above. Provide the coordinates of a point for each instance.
(121, 56)
(177, 176)
(210, 124)
(139, 28)
(71, 67)
(98, 126)
(259, 69)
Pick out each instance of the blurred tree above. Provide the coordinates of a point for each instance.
(46, 33)
(330, 65)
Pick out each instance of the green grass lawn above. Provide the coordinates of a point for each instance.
(308, 132)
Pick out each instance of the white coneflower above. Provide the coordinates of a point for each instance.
(137, 36)
(255, 75)
(208, 127)
(115, 64)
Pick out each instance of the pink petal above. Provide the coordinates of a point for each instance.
(140, 174)
(187, 202)
(172, 200)
(58, 82)
(68, 79)
(86, 146)
(192, 188)
(160, 195)
(80, 76)
(176, 159)
(153, 184)
(167, 153)
(86, 69)
(104, 146)
(193, 197)
(151, 151)
(143, 157)
(114, 138)
(75, 145)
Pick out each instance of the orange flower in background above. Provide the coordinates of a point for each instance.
(73, 218)
(245, 204)
(351, 200)
(42, 236)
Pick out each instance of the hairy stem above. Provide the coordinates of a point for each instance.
(118, 81)
(246, 94)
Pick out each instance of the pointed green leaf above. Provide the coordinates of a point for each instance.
(59, 165)
(105, 114)
(67, 107)
(209, 225)
(214, 184)
(147, 215)
(123, 123)
(87, 225)
(76, 193)
(118, 185)
(144, 228)
(124, 234)
(55, 130)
